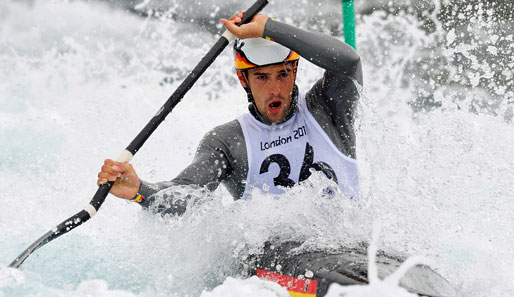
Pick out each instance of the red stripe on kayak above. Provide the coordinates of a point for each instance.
(308, 286)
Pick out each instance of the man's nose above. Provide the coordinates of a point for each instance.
(274, 86)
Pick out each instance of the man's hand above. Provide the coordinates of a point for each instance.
(127, 183)
(254, 29)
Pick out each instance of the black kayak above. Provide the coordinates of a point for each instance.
(312, 272)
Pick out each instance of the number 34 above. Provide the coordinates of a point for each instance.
(285, 168)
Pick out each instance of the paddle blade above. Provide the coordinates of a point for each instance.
(66, 226)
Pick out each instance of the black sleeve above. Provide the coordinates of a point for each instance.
(336, 93)
(338, 58)
(209, 166)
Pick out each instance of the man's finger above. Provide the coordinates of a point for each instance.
(112, 178)
(107, 169)
(235, 18)
(231, 26)
(103, 174)
(121, 167)
(109, 162)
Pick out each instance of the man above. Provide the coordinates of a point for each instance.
(286, 134)
(284, 137)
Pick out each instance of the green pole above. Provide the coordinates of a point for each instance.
(349, 22)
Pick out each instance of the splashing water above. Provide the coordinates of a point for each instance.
(249, 287)
(377, 287)
(78, 80)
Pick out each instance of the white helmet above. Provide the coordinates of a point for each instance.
(257, 52)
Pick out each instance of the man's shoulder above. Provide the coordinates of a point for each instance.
(227, 139)
(225, 133)
(226, 129)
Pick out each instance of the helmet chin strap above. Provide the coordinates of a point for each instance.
(251, 101)
(244, 74)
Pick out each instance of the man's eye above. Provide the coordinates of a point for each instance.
(284, 74)
(261, 77)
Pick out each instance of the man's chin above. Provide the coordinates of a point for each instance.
(275, 118)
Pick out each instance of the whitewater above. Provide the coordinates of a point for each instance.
(78, 81)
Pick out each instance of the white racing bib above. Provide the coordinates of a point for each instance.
(283, 155)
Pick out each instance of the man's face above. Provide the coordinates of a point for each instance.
(271, 88)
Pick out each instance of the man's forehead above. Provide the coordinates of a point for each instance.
(271, 69)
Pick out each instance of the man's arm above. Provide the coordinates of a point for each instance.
(333, 98)
(325, 51)
(329, 53)
(209, 167)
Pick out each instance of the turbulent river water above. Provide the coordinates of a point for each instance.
(78, 80)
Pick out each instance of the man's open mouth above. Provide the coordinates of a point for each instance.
(275, 104)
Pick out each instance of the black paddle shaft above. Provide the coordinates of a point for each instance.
(175, 98)
(186, 85)
(103, 190)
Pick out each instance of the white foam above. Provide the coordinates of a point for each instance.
(440, 181)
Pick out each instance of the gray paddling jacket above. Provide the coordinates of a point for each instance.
(221, 156)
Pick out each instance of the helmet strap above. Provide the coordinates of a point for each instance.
(247, 88)
(251, 101)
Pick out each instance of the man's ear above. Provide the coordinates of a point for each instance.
(242, 79)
